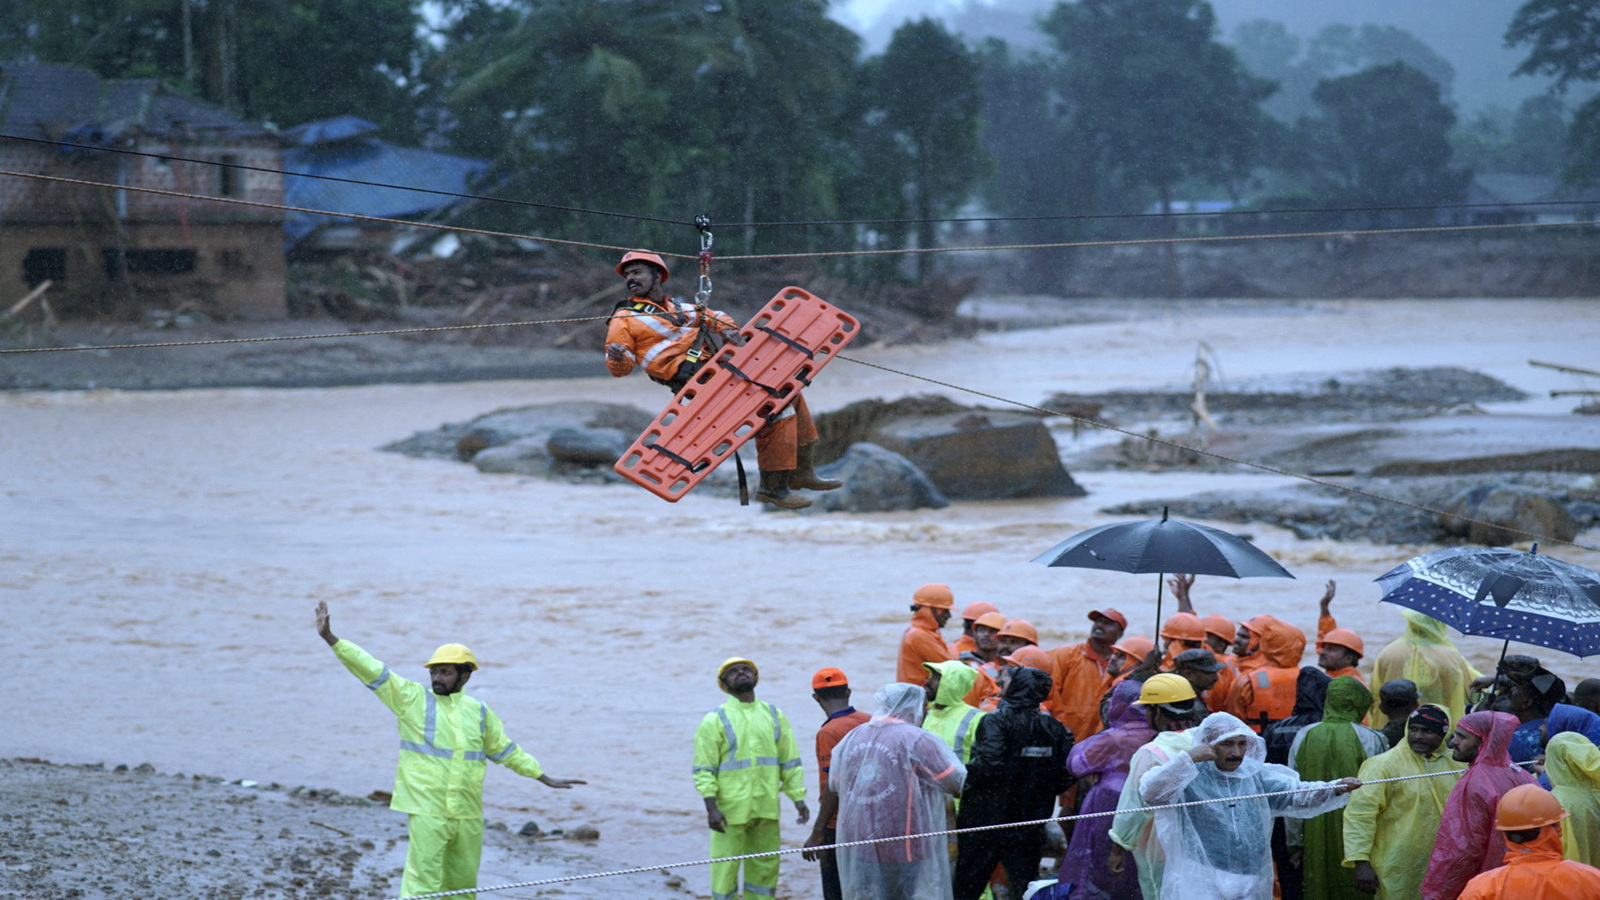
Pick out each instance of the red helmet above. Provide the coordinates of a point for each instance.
(645, 256)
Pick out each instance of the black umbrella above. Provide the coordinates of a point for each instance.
(1505, 593)
(1160, 546)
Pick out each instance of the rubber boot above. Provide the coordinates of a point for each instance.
(805, 478)
(774, 489)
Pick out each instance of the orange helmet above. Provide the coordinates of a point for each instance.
(1343, 637)
(935, 595)
(1184, 627)
(1136, 647)
(1019, 628)
(1221, 626)
(1526, 807)
(648, 257)
(1030, 657)
(977, 608)
(991, 620)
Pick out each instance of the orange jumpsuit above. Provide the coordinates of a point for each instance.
(1536, 871)
(661, 336)
(1080, 682)
(1269, 689)
(921, 643)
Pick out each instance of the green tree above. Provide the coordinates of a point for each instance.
(1527, 141)
(1564, 39)
(926, 95)
(1297, 65)
(1381, 140)
(284, 60)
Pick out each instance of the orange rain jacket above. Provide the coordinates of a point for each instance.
(1536, 871)
(920, 643)
(657, 335)
(1326, 624)
(1080, 681)
(1270, 688)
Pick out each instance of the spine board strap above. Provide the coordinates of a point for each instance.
(792, 343)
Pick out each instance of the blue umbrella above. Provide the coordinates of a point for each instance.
(1505, 593)
(1160, 546)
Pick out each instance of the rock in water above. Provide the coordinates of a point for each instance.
(875, 480)
(1506, 514)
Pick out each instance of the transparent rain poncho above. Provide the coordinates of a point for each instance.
(892, 778)
(1219, 850)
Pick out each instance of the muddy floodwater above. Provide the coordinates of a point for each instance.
(162, 554)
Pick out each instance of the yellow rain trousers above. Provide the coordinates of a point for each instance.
(1392, 825)
(1424, 654)
(1572, 763)
(745, 755)
(446, 744)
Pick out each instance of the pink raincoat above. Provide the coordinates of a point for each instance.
(1468, 843)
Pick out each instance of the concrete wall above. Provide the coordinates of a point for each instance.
(116, 252)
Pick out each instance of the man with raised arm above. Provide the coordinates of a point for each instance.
(446, 741)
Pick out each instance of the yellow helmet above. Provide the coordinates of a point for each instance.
(1165, 688)
(729, 663)
(453, 654)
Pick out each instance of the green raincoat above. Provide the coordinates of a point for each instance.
(1327, 751)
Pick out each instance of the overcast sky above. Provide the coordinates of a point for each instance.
(1468, 33)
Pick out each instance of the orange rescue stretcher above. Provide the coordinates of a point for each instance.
(740, 390)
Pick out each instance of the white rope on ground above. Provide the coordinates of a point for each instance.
(637, 870)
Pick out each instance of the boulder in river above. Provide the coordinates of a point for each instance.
(1496, 514)
(875, 480)
(968, 453)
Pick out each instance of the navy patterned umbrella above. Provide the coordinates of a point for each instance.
(1505, 593)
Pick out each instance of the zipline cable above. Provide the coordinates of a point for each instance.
(637, 870)
(954, 220)
(824, 254)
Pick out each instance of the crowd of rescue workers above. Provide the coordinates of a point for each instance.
(1206, 764)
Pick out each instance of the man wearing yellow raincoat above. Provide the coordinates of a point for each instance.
(1424, 654)
(745, 755)
(1389, 828)
(1572, 763)
(446, 741)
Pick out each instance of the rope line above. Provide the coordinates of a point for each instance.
(398, 187)
(827, 254)
(1213, 239)
(636, 870)
(1074, 217)
(1211, 453)
(309, 337)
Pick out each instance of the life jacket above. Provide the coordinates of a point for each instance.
(1272, 694)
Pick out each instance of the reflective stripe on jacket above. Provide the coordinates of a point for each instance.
(445, 742)
(657, 335)
(745, 755)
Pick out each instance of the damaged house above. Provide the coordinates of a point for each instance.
(110, 251)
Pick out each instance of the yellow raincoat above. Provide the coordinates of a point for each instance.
(446, 744)
(745, 755)
(1392, 825)
(1572, 763)
(1424, 654)
(949, 716)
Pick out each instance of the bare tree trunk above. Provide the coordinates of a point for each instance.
(1169, 255)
